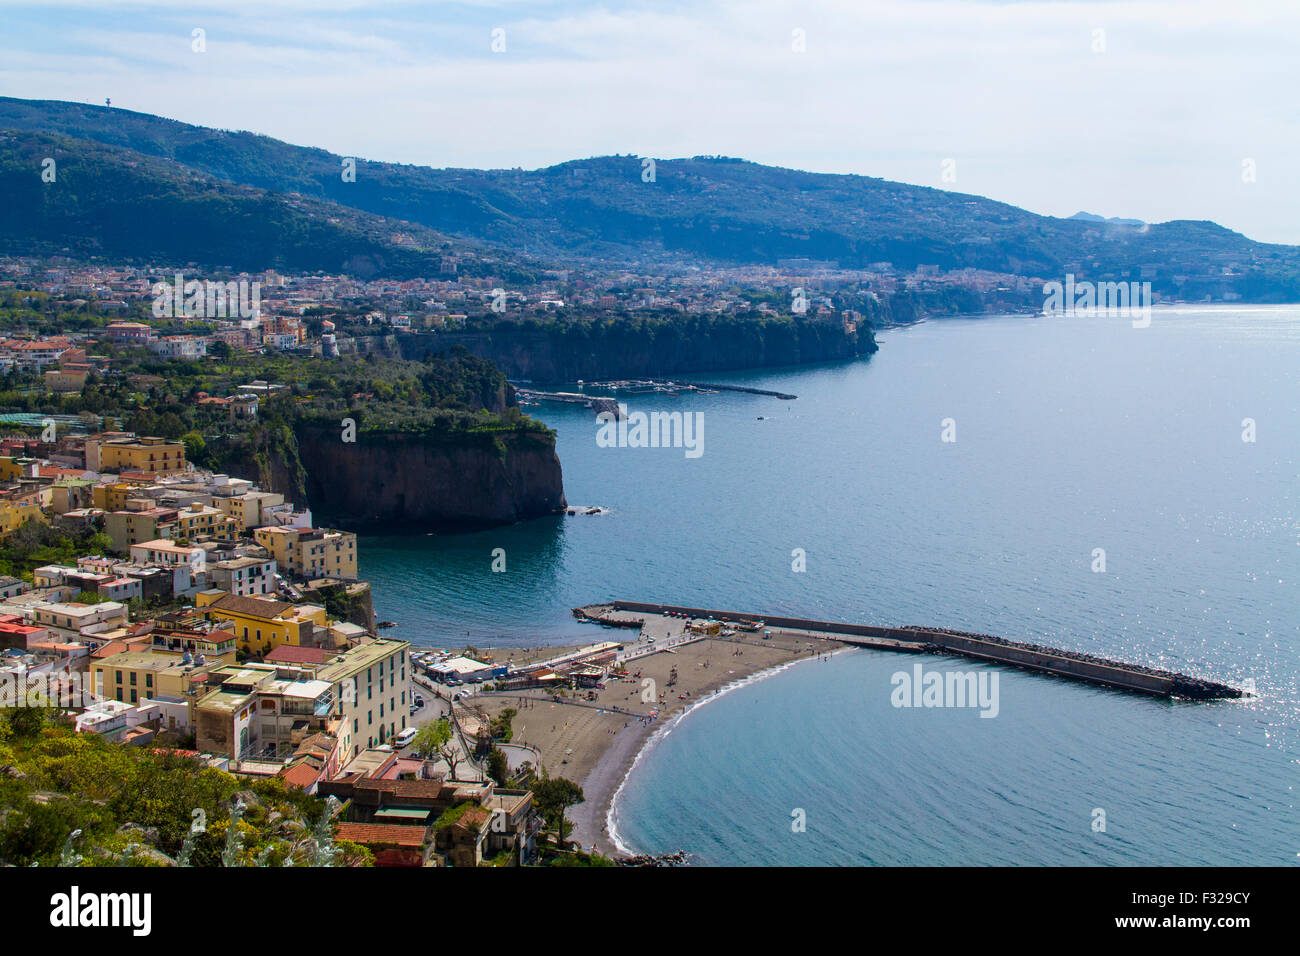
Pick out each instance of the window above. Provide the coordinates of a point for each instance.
(132, 678)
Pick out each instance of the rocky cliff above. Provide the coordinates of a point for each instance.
(631, 348)
(395, 481)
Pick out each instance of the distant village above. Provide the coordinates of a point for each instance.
(280, 321)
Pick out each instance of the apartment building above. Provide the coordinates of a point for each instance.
(309, 553)
(153, 456)
(261, 625)
(126, 529)
(243, 577)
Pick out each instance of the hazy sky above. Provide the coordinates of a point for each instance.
(1144, 109)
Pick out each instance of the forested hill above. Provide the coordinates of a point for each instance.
(701, 209)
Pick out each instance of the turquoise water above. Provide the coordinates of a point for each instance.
(1073, 434)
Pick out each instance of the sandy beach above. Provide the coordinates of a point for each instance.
(594, 745)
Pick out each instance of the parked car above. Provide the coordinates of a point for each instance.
(404, 738)
(419, 700)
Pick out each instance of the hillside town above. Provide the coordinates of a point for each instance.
(198, 614)
(335, 315)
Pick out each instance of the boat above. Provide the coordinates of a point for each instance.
(386, 624)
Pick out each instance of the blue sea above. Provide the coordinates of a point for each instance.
(1079, 440)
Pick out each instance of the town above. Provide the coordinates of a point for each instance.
(197, 614)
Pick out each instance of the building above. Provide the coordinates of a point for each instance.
(130, 333)
(311, 552)
(165, 553)
(261, 625)
(126, 529)
(249, 509)
(153, 456)
(262, 712)
(243, 577)
(393, 844)
(136, 676)
(200, 520)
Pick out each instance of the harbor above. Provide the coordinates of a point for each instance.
(1057, 662)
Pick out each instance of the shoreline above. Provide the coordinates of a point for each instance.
(608, 803)
(597, 743)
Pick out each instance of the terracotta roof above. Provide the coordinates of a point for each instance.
(387, 833)
(255, 607)
(473, 818)
(301, 775)
(292, 654)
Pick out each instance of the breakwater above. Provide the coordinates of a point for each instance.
(786, 396)
(1059, 662)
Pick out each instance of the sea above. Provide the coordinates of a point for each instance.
(1070, 480)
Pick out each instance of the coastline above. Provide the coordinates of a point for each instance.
(608, 840)
(598, 743)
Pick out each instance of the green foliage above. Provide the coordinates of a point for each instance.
(36, 544)
(498, 767)
(500, 725)
(552, 796)
(172, 804)
(707, 208)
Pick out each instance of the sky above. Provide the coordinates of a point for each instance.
(1150, 109)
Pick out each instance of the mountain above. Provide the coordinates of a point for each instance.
(119, 204)
(695, 211)
(1113, 220)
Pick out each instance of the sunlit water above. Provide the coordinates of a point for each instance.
(1073, 434)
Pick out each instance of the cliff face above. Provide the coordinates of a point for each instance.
(399, 482)
(595, 353)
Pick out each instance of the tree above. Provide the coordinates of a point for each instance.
(498, 767)
(195, 447)
(437, 738)
(553, 796)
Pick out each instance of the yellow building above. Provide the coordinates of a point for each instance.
(135, 676)
(200, 519)
(261, 625)
(16, 512)
(154, 456)
(114, 496)
(11, 468)
(311, 552)
(248, 508)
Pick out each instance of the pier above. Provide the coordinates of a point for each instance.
(600, 403)
(1072, 665)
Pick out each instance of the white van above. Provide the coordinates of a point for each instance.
(405, 737)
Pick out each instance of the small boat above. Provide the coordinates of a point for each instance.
(386, 624)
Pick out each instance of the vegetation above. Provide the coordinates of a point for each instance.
(553, 796)
(36, 544)
(438, 739)
(722, 209)
(78, 799)
(500, 725)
